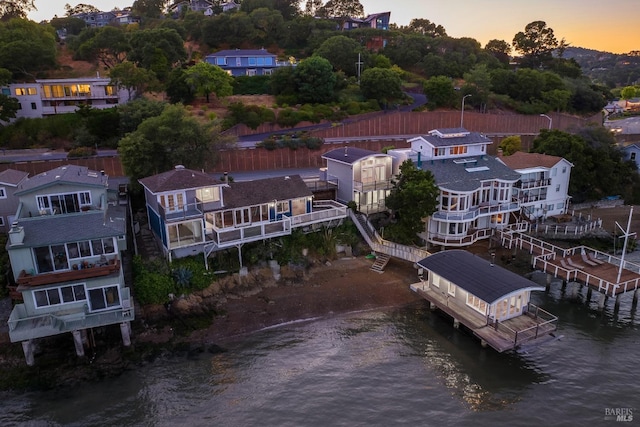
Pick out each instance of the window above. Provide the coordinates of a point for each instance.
(282, 207)
(558, 188)
(267, 72)
(437, 152)
(252, 61)
(110, 90)
(1, 221)
(209, 194)
(460, 149)
(62, 295)
(20, 91)
(452, 289)
(435, 280)
(238, 62)
(554, 172)
(221, 61)
(564, 169)
(560, 206)
(32, 91)
(251, 72)
(34, 106)
(104, 298)
(63, 203)
(3, 193)
(477, 304)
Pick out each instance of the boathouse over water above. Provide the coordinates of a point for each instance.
(487, 299)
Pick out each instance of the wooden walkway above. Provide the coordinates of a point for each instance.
(505, 335)
(597, 270)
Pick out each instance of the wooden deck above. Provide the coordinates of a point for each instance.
(501, 336)
(576, 264)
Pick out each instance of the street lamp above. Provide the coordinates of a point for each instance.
(462, 110)
(549, 118)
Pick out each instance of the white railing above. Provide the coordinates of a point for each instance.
(326, 210)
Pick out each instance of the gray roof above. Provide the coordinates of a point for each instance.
(349, 155)
(55, 229)
(249, 193)
(179, 178)
(468, 173)
(68, 174)
(475, 275)
(470, 138)
(12, 177)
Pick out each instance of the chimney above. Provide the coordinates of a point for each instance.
(500, 153)
(16, 234)
(226, 177)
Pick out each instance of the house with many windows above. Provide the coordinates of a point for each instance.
(364, 176)
(10, 179)
(65, 247)
(191, 212)
(58, 96)
(542, 190)
(247, 62)
(476, 190)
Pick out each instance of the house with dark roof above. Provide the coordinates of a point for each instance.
(493, 302)
(476, 190)
(364, 177)
(247, 62)
(65, 245)
(191, 212)
(10, 179)
(543, 188)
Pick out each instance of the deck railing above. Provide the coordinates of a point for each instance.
(547, 323)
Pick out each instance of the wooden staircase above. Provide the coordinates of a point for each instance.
(380, 263)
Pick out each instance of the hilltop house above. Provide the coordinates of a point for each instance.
(10, 179)
(65, 249)
(632, 153)
(379, 21)
(247, 62)
(364, 177)
(542, 190)
(58, 96)
(191, 212)
(476, 190)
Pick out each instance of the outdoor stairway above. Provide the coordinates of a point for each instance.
(380, 263)
(384, 249)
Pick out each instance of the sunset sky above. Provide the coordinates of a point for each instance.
(609, 26)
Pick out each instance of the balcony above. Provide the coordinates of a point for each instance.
(187, 211)
(538, 183)
(23, 327)
(364, 187)
(224, 238)
(323, 210)
(477, 211)
(91, 271)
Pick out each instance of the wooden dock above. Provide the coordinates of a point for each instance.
(529, 327)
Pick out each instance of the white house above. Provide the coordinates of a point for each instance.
(10, 179)
(543, 188)
(476, 190)
(632, 153)
(364, 176)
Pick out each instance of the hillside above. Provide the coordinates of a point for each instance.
(605, 67)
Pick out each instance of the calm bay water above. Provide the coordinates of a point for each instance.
(404, 367)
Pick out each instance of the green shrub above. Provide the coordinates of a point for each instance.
(81, 152)
(151, 285)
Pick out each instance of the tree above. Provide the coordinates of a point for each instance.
(79, 8)
(177, 88)
(536, 43)
(10, 9)
(311, 7)
(426, 28)
(510, 145)
(204, 79)
(135, 80)
(342, 52)
(269, 26)
(157, 49)
(135, 112)
(628, 92)
(27, 47)
(72, 26)
(478, 84)
(439, 91)
(342, 10)
(381, 84)
(557, 99)
(149, 8)
(314, 80)
(107, 45)
(499, 49)
(174, 137)
(413, 197)
(8, 106)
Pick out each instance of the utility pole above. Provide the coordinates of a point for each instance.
(359, 64)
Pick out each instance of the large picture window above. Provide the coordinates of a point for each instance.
(62, 295)
(63, 203)
(104, 298)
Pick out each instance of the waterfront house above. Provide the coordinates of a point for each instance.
(246, 62)
(10, 179)
(494, 303)
(542, 190)
(65, 246)
(475, 189)
(364, 176)
(58, 96)
(191, 212)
